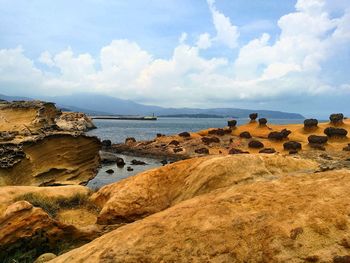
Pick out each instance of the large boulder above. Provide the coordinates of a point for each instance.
(336, 118)
(292, 146)
(310, 123)
(262, 121)
(335, 132)
(75, 121)
(255, 144)
(253, 116)
(245, 135)
(315, 139)
(231, 123)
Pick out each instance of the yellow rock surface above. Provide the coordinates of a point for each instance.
(158, 189)
(295, 218)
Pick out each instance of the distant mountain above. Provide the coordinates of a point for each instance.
(95, 104)
(13, 98)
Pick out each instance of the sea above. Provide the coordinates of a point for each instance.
(118, 130)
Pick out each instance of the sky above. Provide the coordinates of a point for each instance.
(290, 55)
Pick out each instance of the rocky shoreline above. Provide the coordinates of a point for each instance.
(250, 193)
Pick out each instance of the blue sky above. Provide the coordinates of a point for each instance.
(287, 55)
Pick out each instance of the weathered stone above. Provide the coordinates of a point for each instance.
(231, 123)
(245, 135)
(336, 118)
(178, 149)
(209, 140)
(106, 143)
(335, 132)
(267, 150)
(137, 162)
(174, 142)
(310, 123)
(279, 136)
(292, 146)
(185, 134)
(255, 144)
(110, 171)
(253, 116)
(45, 258)
(237, 151)
(317, 139)
(202, 151)
(262, 121)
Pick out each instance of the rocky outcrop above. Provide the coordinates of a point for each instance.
(231, 123)
(255, 144)
(279, 136)
(292, 146)
(253, 116)
(262, 121)
(185, 134)
(26, 232)
(155, 190)
(245, 135)
(310, 124)
(75, 121)
(301, 217)
(315, 139)
(210, 140)
(336, 118)
(50, 160)
(335, 132)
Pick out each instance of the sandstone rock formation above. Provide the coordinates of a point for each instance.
(310, 123)
(253, 116)
(158, 189)
(262, 121)
(266, 216)
(335, 132)
(231, 123)
(75, 121)
(336, 118)
(245, 135)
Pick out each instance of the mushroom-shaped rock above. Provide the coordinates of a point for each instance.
(267, 150)
(279, 136)
(236, 151)
(174, 142)
(202, 151)
(335, 132)
(310, 123)
(120, 162)
(209, 140)
(292, 146)
(255, 144)
(185, 134)
(231, 123)
(316, 139)
(245, 135)
(336, 118)
(262, 121)
(253, 116)
(130, 140)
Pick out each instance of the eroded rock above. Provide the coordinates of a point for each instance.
(255, 144)
(335, 132)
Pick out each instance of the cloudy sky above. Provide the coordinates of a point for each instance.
(288, 55)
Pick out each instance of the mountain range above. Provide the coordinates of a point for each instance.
(96, 104)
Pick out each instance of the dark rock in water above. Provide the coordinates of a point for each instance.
(347, 148)
(174, 142)
(137, 162)
(310, 123)
(253, 116)
(106, 143)
(292, 146)
(129, 169)
(245, 135)
(107, 157)
(178, 149)
(110, 171)
(120, 162)
(279, 136)
(160, 135)
(232, 123)
(336, 118)
(184, 134)
(341, 259)
(202, 151)
(237, 151)
(164, 162)
(209, 140)
(255, 144)
(335, 132)
(317, 139)
(262, 121)
(130, 140)
(267, 150)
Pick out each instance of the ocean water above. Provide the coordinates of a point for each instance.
(118, 130)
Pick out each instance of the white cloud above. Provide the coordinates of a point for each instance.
(204, 41)
(227, 33)
(266, 67)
